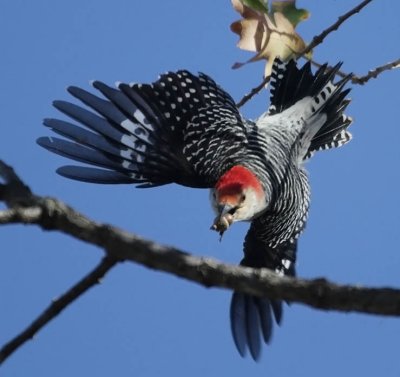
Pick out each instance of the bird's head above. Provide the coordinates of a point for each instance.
(237, 196)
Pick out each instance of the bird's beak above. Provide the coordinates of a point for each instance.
(224, 219)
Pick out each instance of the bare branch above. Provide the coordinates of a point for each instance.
(52, 214)
(13, 189)
(57, 306)
(374, 73)
(318, 39)
(253, 92)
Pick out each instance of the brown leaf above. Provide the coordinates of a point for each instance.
(269, 35)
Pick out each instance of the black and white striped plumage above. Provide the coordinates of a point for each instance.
(150, 134)
(185, 129)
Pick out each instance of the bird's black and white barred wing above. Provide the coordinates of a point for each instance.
(182, 128)
(252, 318)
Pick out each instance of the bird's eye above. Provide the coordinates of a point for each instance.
(232, 211)
(243, 198)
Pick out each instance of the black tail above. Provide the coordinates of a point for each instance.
(290, 84)
(249, 315)
(252, 317)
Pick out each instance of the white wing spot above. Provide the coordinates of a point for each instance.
(127, 165)
(126, 154)
(129, 125)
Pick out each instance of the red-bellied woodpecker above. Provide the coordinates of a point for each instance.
(185, 129)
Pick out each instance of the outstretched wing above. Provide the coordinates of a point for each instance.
(182, 128)
(252, 318)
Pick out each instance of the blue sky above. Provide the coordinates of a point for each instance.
(146, 323)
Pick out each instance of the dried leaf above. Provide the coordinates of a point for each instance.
(269, 34)
(289, 10)
(257, 5)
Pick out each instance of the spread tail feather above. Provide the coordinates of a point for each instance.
(252, 318)
(314, 95)
(249, 315)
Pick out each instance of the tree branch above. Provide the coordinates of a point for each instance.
(318, 39)
(373, 73)
(52, 214)
(23, 204)
(247, 97)
(13, 190)
(57, 306)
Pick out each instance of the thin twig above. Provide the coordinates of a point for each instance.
(253, 92)
(373, 73)
(57, 306)
(318, 39)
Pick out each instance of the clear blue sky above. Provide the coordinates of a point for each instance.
(145, 323)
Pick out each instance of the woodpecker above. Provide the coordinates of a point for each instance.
(186, 129)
